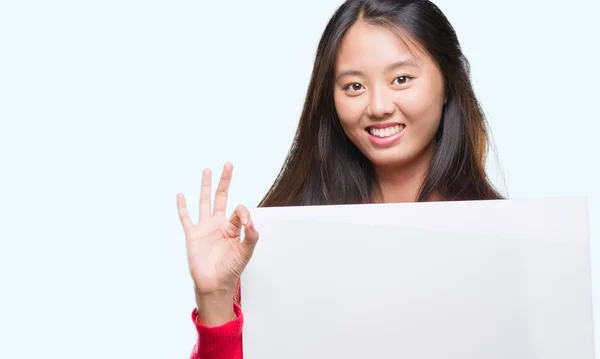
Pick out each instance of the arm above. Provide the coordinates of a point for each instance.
(217, 256)
(221, 341)
(219, 326)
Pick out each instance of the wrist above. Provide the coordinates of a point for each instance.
(215, 308)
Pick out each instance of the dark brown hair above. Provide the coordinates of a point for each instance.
(325, 167)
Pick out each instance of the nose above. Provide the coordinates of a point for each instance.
(381, 104)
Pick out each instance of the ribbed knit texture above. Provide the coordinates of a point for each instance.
(220, 342)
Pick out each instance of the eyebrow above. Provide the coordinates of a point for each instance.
(395, 65)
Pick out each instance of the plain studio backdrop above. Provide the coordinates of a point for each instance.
(109, 108)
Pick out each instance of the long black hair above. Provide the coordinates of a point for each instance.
(325, 167)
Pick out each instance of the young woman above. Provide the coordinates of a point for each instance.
(390, 116)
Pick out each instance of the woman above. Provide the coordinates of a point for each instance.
(390, 116)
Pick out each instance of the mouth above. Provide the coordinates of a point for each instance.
(385, 131)
(385, 135)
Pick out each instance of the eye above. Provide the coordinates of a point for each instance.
(401, 80)
(354, 87)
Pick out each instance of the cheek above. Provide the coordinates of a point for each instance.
(349, 111)
(423, 109)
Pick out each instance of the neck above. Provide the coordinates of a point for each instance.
(402, 183)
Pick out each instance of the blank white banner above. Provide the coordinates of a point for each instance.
(454, 280)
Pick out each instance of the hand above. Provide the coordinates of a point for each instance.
(216, 255)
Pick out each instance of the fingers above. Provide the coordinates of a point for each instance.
(184, 217)
(240, 216)
(250, 239)
(223, 190)
(205, 194)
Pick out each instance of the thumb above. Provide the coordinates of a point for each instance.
(250, 240)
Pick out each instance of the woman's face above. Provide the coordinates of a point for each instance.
(389, 103)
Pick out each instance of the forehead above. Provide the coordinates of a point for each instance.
(373, 46)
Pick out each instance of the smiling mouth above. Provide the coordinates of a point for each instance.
(383, 132)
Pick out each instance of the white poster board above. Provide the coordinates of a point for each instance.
(452, 280)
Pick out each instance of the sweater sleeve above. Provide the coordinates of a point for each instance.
(220, 342)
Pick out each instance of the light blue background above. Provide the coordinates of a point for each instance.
(109, 108)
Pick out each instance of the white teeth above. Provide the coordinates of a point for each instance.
(385, 132)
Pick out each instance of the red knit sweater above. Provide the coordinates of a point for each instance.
(221, 342)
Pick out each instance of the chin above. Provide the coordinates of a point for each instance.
(398, 155)
(390, 159)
